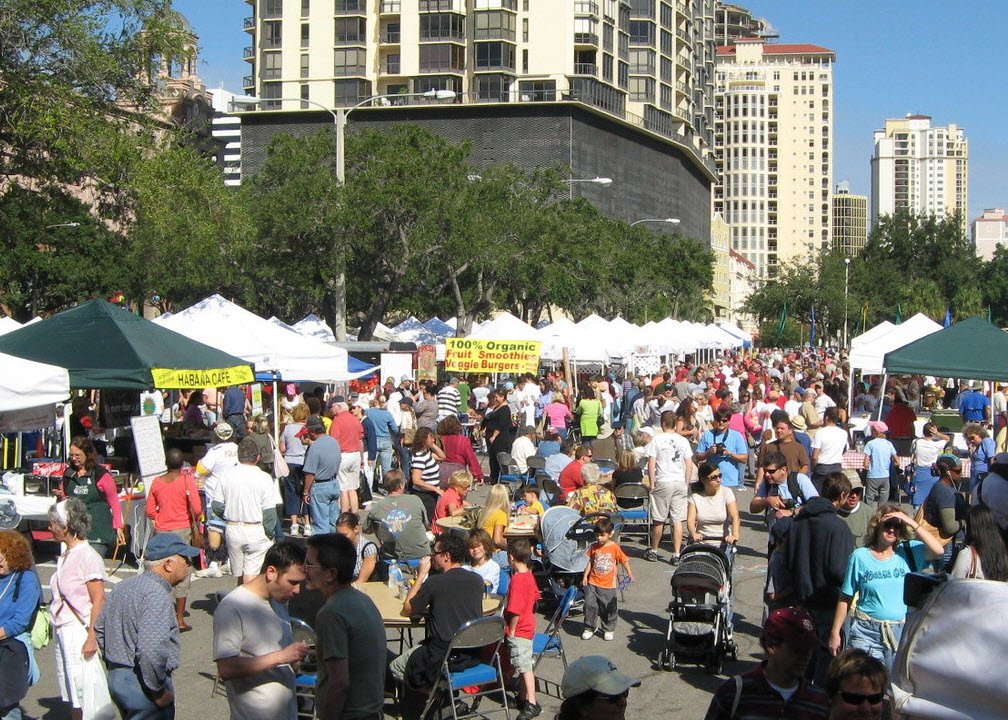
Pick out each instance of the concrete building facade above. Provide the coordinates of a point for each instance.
(919, 168)
(990, 230)
(720, 294)
(774, 150)
(734, 22)
(743, 280)
(850, 220)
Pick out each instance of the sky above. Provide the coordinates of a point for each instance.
(893, 58)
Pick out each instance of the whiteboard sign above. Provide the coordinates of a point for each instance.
(149, 445)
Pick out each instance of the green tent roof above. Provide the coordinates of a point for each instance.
(972, 348)
(105, 347)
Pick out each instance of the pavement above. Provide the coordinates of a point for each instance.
(640, 636)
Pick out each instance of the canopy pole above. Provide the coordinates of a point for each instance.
(276, 415)
(850, 398)
(885, 379)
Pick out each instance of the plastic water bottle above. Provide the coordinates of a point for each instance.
(395, 578)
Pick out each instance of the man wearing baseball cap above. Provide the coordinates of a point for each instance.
(593, 686)
(137, 632)
(777, 687)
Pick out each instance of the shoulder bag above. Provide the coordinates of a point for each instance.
(195, 534)
(280, 467)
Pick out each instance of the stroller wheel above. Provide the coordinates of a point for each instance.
(732, 651)
(715, 663)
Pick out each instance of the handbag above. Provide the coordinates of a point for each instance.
(195, 534)
(42, 628)
(280, 467)
(919, 519)
(95, 700)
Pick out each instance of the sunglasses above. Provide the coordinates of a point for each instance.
(714, 476)
(612, 698)
(894, 525)
(857, 698)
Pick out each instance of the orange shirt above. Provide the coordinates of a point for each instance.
(605, 560)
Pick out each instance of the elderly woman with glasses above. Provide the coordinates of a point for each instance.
(875, 574)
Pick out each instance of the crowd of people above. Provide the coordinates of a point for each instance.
(389, 474)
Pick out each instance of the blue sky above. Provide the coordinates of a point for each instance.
(893, 58)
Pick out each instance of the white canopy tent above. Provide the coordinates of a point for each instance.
(872, 333)
(505, 327)
(8, 324)
(273, 350)
(555, 337)
(867, 356)
(29, 392)
(312, 325)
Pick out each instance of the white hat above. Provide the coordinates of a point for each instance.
(223, 430)
(647, 430)
(594, 672)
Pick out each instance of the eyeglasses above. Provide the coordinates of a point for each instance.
(714, 476)
(612, 698)
(771, 470)
(309, 565)
(852, 698)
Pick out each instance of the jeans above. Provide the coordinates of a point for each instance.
(293, 487)
(867, 635)
(131, 698)
(877, 490)
(324, 506)
(11, 713)
(385, 456)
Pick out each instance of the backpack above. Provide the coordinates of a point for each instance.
(949, 645)
(794, 488)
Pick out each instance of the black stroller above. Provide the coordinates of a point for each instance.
(699, 627)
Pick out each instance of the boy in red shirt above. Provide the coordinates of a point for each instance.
(601, 585)
(520, 616)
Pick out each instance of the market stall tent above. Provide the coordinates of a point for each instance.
(104, 346)
(867, 357)
(8, 324)
(29, 392)
(505, 327)
(972, 348)
(872, 333)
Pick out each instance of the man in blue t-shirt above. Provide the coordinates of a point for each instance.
(724, 447)
(321, 477)
(879, 457)
(774, 495)
(973, 405)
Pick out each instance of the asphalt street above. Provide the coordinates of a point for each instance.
(640, 636)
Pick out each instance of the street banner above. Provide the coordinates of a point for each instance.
(492, 356)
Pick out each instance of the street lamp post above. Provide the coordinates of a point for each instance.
(59, 225)
(670, 220)
(339, 116)
(846, 284)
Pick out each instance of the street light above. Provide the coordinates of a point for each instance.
(595, 180)
(66, 224)
(339, 116)
(671, 221)
(846, 285)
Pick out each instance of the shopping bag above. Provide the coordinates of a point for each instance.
(96, 703)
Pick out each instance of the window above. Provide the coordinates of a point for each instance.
(270, 91)
(271, 67)
(271, 34)
(642, 61)
(607, 67)
(304, 35)
(426, 84)
(495, 55)
(525, 30)
(351, 5)
(497, 25)
(436, 58)
(391, 65)
(350, 30)
(272, 8)
(304, 97)
(442, 25)
(642, 89)
(642, 32)
(349, 62)
(305, 7)
(493, 88)
(304, 66)
(351, 92)
(524, 61)
(537, 90)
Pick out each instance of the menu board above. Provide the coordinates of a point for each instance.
(149, 445)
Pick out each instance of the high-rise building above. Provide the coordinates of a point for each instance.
(919, 168)
(850, 220)
(773, 147)
(601, 80)
(227, 133)
(990, 230)
(734, 22)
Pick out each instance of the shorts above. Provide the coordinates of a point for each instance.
(70, 640)
(668, 502)
(349, 472)
(246, 547)
(520, 650)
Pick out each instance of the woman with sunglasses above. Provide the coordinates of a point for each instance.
(712, 515)
(593, 688)
(875, 573)
(855, 685)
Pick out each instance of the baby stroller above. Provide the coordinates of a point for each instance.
(566, 539)
(698, 626)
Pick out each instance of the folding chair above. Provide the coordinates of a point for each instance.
(633, 501)
(550, 641)
(509, 471)
(536, 463)
(549, 486)
(486, 633)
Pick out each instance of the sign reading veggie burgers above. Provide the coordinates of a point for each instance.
(499, 356)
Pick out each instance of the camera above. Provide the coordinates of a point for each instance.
(718, 449)
(790, 504)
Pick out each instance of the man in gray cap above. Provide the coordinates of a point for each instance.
(594, 682)
(138, 635)
(321, 476)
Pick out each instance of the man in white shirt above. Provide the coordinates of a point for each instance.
(828, 447)
(793, 406)
(393, 398)
(209, 469)
(822, 400)
(532, 394)
(670, 472)
(523, 448)
(249, 498)
(253, 644)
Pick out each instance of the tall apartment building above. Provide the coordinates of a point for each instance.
(525, 73)
(773, 147)
(734, 22)
(850, 220)
(990, 230)
(226, 130)
(919, 168)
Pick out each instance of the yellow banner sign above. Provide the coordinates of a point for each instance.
(178, 379)
(492, 356)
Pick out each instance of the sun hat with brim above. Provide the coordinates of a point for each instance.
(604, 431)
(878, 426)
(596, 673)
(798, 423)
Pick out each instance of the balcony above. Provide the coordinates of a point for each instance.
(389, 7)
(354, 38)
(683, 35)
(585, 8)
(585, 69)
(391, 67)
(248, 81)
(586, 38)
(248, 24)
(249, 53)
(457, 6)
(498, 33)
(389, 37)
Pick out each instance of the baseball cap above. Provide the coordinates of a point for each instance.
(339, 399)
(223, 430)
(406, 401)
(406, 378)
(167, 544)
(792, 626)
(597, 673)
(647, 430)
(315, 424)
(855, 479)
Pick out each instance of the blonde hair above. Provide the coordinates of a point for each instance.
(300, 413)
(461, 479)
(498, 499)
(871, 533)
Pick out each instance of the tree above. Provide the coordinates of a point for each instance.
(994, 284)
(73, 72)
(54, 253)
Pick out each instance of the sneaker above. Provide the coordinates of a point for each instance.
(211, 570)
(306, 531)
(651, 555)
(674, 559)
(295, 530)
(530, 711)
(223, 569)
(587, 634)
(608, 635)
